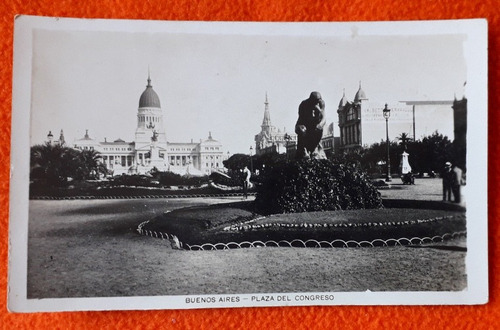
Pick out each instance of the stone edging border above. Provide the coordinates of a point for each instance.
(176, 244)
(245, 226)
(140, 197)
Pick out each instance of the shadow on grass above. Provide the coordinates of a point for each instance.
(440, 247)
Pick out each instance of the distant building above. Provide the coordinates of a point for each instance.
(61, 141)
(361, 122)
(271, 139)
(150, 149)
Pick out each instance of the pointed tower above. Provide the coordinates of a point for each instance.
(360, 95)
(343, 102)
(266, 122)
(268, 133)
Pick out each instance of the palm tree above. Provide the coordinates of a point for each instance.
(54, 163)
(90, 165)
(404, 138)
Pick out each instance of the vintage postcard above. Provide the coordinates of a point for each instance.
(180, 165)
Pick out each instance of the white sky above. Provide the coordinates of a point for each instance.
(93, 80)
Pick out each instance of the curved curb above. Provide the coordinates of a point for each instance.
(139, 197)
(310, 243)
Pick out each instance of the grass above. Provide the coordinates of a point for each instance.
(237, 222)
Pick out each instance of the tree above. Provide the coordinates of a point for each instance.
(53, 163)
(374, 158)
(268, 160)
(237, 162)
(430, 153)
(353, 158)
(404, 138)
(90, 165)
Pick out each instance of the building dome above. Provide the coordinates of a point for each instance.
(149, 98)
(360, 95)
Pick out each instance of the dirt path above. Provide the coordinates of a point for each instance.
(90, 248)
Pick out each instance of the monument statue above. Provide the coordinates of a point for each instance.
(154, 138)
(309, 128)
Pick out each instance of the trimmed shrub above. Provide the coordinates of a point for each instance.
(173, 179)
(132, 180)
(315, 185)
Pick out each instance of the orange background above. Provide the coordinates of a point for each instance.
(398, 317)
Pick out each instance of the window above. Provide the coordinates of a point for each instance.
(351, 114)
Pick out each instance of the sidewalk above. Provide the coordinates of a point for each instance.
(430, 189)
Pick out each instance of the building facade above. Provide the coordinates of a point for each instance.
(361, 122)
(151, 149)
(271, 139)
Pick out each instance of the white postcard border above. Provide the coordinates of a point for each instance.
(477, 257)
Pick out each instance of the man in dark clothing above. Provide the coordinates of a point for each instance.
(309, 127)
(447, 180)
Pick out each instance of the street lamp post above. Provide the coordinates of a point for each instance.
(387, 114)
(251, 161)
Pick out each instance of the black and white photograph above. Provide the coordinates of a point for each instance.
(179, 165)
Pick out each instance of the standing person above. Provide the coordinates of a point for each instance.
(447, 178)
(246, 181)
(456, 182)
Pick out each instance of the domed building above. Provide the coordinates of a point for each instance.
(150, 149)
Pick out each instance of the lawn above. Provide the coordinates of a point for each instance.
(236, 222)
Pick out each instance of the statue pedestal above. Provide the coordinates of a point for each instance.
(155, 160)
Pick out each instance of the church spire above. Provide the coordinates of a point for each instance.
(149, 78)
(267, 115)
